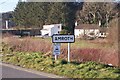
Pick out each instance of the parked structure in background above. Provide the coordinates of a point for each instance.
(22, 32)
(6, 20)
(89, 31)
(49, 30)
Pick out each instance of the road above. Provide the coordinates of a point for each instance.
(10, 71)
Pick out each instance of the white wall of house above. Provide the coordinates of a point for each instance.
(44, 32)
(95, 31)
(51, 29)
(47, 26)
(87, 31)
(80, 32)
(54, 30)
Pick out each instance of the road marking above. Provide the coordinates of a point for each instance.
(31, 71)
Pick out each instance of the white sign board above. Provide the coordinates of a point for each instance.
(56, 49)
(63, 38)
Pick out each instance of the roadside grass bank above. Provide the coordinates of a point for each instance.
(81, 50)
(39, 62)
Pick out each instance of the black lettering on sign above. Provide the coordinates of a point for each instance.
(55, 38)
(71, 38)
(59, 38)
(68, 38)
(63, 38)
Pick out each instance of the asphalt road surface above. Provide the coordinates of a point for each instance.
(10, 71)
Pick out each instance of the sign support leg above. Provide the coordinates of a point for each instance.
(68, 52)
(55, 57)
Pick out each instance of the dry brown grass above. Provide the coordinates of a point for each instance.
(29, 44)
(98, 55)
(113, 33)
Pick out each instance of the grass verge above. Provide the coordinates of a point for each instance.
(39, 62)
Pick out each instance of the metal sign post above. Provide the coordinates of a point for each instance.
(56, 50)
(55, 57)
(57, 38)
(68, 52)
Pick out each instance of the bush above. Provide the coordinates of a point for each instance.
(64, 31)
(91, 54)
(113, 33)
(27, 44)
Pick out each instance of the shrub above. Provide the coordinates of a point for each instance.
(28, 44)
(91, 54)
(64, 31)
(113, 31)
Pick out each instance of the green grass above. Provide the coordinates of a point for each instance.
(87, 44)
(81, 44)
(60, 67)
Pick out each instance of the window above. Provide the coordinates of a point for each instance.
(58, 26)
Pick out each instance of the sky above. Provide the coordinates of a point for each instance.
(9, 5)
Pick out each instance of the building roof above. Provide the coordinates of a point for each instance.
(45, 30)
(87, 26)
(103, 29)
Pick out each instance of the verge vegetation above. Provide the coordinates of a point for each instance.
(60, 67)
(81, 51)
(35, 53)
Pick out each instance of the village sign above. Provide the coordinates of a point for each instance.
(57, 39)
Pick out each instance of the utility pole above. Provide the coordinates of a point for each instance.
(107, 20)
(6, 24)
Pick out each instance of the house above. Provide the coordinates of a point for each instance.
(103, 32)
(6, 20)
(91, 30)
(49, 30)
